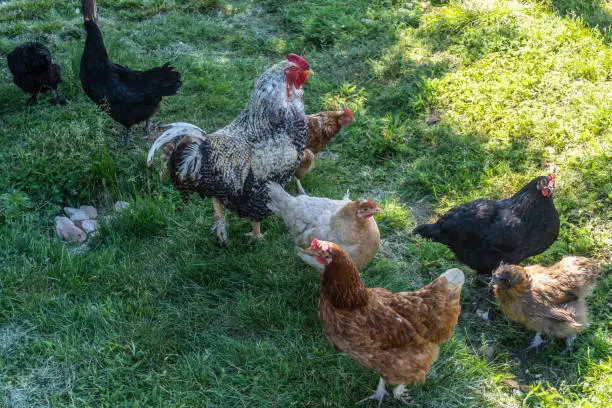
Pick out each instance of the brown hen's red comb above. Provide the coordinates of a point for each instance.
(348, 112)
(321, 245)
(299, 61)
(371, 204)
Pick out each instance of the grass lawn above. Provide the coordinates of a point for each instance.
(453, 100)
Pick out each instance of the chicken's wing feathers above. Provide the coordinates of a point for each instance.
(561, 316)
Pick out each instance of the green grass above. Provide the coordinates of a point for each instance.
(154, 314)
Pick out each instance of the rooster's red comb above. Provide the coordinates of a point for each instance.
(299, 61)
(551, 178)
(348, 112)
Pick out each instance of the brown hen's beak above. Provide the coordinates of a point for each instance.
(377, 210)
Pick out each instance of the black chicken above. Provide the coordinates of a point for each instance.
(34, 71)
(483, 233)
(128, 96)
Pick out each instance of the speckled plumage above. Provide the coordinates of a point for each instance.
(234, 164)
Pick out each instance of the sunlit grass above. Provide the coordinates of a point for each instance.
(454, 100)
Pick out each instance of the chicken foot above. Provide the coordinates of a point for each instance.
(569, 342)
(33, 99)
(401, 393)
(301, 190)
(125, 137)
(256, 230)
(379, 395)
(57, 99)
(149, 127)
(536, 342)
(219, 225)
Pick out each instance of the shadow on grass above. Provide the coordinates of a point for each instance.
(592, 12)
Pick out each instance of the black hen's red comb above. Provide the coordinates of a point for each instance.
(299, 61)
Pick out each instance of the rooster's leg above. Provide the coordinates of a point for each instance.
(569, 343)
(536, 342)
(301, 190)
(401, 393)
(256, 230)
(379, 395)
(219, 225)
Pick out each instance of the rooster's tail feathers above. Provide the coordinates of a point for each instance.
(175, 132)
(165, 80)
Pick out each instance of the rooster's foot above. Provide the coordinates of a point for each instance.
(219, 228)
(379, 395)
(256, 232)
(536, 342)
(401, 393)
(255, 235)
(569, 342)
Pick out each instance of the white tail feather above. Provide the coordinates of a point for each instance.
(174, 130)
(455, 277)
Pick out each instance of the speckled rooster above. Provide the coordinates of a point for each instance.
(234, 164)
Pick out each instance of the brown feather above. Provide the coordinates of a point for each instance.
(551, 300)
(395, 334)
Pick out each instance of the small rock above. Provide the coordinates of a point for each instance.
(75, 214)
(90, 211)
(121, 205)
(483, 314)
(66, 230)
(88, 226)
(367, 21)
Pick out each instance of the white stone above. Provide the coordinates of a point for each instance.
(66, 230)
(121, 205)
(88, 226)
(75, 214)
(90, 211)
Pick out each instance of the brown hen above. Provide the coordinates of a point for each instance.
(322, 127)
(397, 335)
(548, 300)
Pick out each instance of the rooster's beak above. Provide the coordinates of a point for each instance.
(308, 72)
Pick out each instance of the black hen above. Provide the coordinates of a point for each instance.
(128, 96)
(34, 71)
(483, 233)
